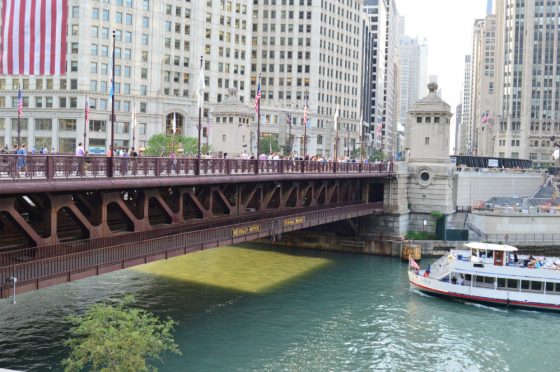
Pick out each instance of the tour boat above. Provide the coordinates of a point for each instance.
(492, 274)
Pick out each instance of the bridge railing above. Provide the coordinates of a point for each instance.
(68, 167)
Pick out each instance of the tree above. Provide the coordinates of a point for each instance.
(161, 144)
(376, 154)
(267, 143)
(118, 338)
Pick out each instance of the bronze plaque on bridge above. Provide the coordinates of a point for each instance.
(294, 221)
(240, 231)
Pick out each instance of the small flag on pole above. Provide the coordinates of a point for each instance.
(86, 110)
(112, 89)
(413, 263)
(336, 118)
(258, 98)
(33, 35)
(20, 104)
(201, 87)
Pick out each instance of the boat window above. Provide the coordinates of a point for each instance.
(536, 286)
(468, 278)
(489, 280)
(490, 254)
(513, 283)
(557, 287)
(501, 283)
(524, 284)
(479, 279)
(549, 287)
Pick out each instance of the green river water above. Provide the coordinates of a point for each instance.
(273, 309)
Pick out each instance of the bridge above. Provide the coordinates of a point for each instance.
(63, 218)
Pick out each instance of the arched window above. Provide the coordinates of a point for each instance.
(179, 123)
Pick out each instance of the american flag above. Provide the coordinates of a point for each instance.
(258, 98)
(378, 131)
(305, 114)
(33, 37)
(20, 104)
(86, 110)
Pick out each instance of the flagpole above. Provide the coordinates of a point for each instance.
(134, 124)
(112, 146)
(200, 98)
(348, 142)
(19, 121)
(336, 136)
(258, 124)
(85, 122)
(305, 126)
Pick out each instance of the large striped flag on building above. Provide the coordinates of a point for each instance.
(33, 37)
(20, 104)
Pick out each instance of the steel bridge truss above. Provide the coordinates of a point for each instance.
(41, 219)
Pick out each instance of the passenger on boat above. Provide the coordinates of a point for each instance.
(461, 280)
(454, 279)
(427, 272)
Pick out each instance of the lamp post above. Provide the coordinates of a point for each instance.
(112, 146)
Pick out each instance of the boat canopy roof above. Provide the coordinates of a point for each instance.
(491, 247)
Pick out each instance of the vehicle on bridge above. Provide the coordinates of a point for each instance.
(492, 274)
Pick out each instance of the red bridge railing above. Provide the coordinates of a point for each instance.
(67, 167)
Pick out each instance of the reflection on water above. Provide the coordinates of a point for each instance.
(238, 269)
(273, 309)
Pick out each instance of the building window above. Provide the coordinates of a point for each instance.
(427, 140)
(43, 124)
(67, 124)
(97, 125)
(418, 119)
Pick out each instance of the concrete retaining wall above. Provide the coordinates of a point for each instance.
(477, 186)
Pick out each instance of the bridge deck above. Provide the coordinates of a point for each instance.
(41, 267)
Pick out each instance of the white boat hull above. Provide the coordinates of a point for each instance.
(484, 295)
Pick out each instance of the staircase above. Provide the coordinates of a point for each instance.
(440, 268)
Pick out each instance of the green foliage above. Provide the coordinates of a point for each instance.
(375, 155)
(267, 143)
(118, 338)
(436, 215)
(420, 235)
(162, 145)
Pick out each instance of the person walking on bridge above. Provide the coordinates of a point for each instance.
(80, 153)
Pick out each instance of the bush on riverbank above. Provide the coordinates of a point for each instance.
(420, 235)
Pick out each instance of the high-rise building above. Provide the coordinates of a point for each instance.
(413, 73)
(529, 81)
(306, 48)
(483, 89)
(458, 124)
(384, 18)
(465, 147)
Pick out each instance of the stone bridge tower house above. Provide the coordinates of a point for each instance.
(430, 173)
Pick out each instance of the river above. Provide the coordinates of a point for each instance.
(263, 308)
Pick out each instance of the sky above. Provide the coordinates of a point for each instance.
(447, 25)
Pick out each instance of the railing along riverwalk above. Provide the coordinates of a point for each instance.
(69, 167)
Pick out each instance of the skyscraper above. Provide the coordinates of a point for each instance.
(529, 81)
(413, 73)
(466, 132)
(383, 17)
